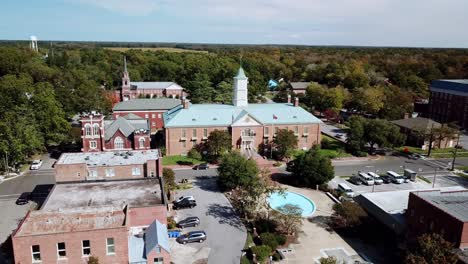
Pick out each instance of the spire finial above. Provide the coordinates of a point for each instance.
(125, 64)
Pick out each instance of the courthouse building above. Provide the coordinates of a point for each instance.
(250, 125)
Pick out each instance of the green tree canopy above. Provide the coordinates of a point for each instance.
(219, 142)
(432, 249)
(312, 168)
(237, 171)
(284, 143)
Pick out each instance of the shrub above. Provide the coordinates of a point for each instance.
(281, 239)
(171, 223)
(184, 162)
(269, 239)
(245, 260)
(261, 252)
(325, 143)
(361, 154)
(194, 154)
(264, 225)
(276, 256)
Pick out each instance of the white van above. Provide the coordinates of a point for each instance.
(365, 178)
(377, 179)
(346, 189)
(395, 177)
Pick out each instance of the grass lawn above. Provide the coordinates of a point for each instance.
(179, 160)
(436, 152)
(334, 148)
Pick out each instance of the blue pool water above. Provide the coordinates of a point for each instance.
(276, 200)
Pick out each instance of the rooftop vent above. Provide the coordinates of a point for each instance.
(215, 118)
(294, 116)
(116, 154)
(194, 119)
(126, 157)
(86, 158)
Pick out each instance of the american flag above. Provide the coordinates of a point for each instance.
(275, 117)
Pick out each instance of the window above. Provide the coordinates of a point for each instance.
(36, 253)
(116, 116)
(184, 144)
(205, 132)
(266, 132)
(158, 260)
(276, 130)
(110, 173)
(184, 133)
(153, 123)
(142, 142)
(146, 116)
(110, 246)
(96, 129)
(93, 173)
(93, 144)
(296, 130)
(306, 130)
(61, 252)
(86, 246)
(153, 115)
(157, 249)
(88, 130)
(118, 143)
(194, 132)
(152, 173)
(159, 115)
(136, 171)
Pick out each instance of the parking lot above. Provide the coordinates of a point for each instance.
(225, 232)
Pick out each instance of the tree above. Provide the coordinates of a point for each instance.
(432, 249)
(285, 142)
(169, 179)
(237, 171)
(289, 218)
(312, 168)
(328, 260)
(348, 214)
(368, 100)
(194, 154)
(218, 143)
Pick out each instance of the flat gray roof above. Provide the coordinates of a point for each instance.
(109, 158)
(455, 203)
(135, 193)
(147, 104)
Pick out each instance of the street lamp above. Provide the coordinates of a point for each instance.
(435, 174)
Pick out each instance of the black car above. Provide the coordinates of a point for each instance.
(24, 198)
(189, 222)
(386, 179)
(195, 236)
(203, 166)
(186, 203)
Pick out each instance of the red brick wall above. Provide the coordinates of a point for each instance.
(48, 246)
(136, 141)
(421, 215)
(70, 172)
(164, 254)
(144, 216)
(97, 119)
(109, 145)
(174, 145)
(156, 122)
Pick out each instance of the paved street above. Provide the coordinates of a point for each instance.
(225, 232)
(333, 132)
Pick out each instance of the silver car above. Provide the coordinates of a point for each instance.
(194, 236)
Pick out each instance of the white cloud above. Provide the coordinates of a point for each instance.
(125, 7)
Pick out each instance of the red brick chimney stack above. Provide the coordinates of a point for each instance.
(185, 103)
(296, 101)
(289, 98)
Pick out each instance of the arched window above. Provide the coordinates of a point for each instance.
(118, 143)
(88, 130)
(142, 142)
(96, 129)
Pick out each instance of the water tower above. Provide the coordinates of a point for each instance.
(33, 44)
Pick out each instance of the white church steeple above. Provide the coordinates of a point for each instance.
(240, 89)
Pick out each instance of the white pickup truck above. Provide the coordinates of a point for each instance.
(36, 164)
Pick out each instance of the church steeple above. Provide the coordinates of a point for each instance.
(240, 89)
(126, 76)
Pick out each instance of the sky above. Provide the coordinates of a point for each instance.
(412, 23)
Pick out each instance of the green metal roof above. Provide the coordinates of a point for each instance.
(200, 115)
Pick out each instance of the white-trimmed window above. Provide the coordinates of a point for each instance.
(159, 116)
(142, 142)
(93, 173)
(184, 133)
(205, 132)
(110, 172)
(110, 246)
(146, 116)
(194, 132)
(87, 130)
(61, 250)
(96, 129)
(93, 144)
(267, 131)
(36, 253)
(153, 123)
(306, 130)
(118, 143)
(86, 247)
(159, 260)
(296, 130)
(153, 115)
(136, 171)
(157, 249)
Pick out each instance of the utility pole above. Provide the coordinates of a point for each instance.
(435, 175)
(455, 151)
(431, 138)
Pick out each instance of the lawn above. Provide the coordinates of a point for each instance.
(334, 149)
(179, 160)
(436, 152)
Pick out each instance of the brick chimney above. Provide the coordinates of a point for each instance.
(289, 98)
(406, 116)
(185, 103)
(296, 101)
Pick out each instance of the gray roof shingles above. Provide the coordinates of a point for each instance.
(417, 123)
(147, 104)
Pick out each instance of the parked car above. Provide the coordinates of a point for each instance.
(395, 177)
(355, 180)
(186, 203)
(185, 197)
(346, 190)
(365, 178)
(417, 156)
(339, 136)
(386, 179)
(36, 164)
(194, 236)
(203, 166)
(377, 179)
(24, 198)
(191, 221)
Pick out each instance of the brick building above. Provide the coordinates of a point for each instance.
(131, 90)
(448, 101)
(149, 109)
(122, 133)
(107, 220)
(86, 166)
(299, 87)
(436, 211)
(251, 126)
